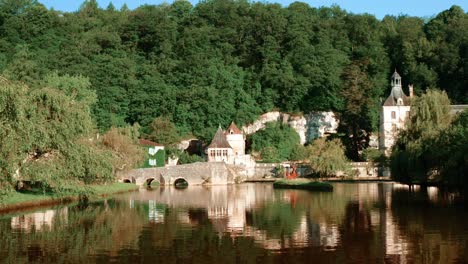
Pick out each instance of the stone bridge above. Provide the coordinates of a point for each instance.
(211, 173)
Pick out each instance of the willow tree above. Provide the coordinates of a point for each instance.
(47, 137)
(412, 158)
(326, 157)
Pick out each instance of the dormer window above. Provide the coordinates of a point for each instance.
(399, 101)
(231, 132)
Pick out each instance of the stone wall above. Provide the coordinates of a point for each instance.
(195, 174)
(310, 126)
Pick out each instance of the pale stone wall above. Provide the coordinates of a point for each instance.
(217, 158)
(310, 126)
(237, 142)
(391, 125)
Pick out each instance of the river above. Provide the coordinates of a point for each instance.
(246, 223)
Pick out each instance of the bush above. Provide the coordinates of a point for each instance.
(127, 154)
(276, 142)
(186, 158)
(374, 155)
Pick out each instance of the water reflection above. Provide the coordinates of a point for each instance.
(251, 223)
(38, 221)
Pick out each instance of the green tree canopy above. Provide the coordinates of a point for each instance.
(276, 142)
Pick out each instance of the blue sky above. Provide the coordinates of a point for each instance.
(379, 8)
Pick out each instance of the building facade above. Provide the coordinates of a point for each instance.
(395, 110)
(220, 150)
(236, 139)
(228, 146)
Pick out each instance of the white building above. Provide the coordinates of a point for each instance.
(229, 146)
(395, 111)
(220, 149)
(236, 139)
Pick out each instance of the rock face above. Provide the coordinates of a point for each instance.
(310, 126)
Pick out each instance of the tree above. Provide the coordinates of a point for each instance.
(360, 102)
(412, 159)
(127, 154)
(47, 138)
(276, 142)
(326, 157)
(163, 131)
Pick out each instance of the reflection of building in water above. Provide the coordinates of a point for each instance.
(155, 213)
(329, 236)
(39, 220)
(396, 246)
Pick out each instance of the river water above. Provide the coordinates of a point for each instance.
(247, 223)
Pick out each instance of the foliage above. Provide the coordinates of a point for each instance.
(127, 154)
(299, 153)
(359, 117)
(276, 142)
(186, 158)
(47, 138)
(160, 158)
(163, 131)
(432, 147)
(220, 61)
(374, 155)
(326, 157)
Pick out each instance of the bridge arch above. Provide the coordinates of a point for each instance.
(127, 181)
(151, 181)
(181, 183)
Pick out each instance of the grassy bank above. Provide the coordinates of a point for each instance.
(303, 184)
(19, 200)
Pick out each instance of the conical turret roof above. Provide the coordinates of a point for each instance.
(219, 140)
(396, 75)
(233, 129)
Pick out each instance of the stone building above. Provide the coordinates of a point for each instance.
(220, 149)
(229, 146)
(395, 110)
(236, 139)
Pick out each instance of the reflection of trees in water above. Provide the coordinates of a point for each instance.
(359, 242)
(150, 232)
(436, 230)
(99, 226)
(278, 219)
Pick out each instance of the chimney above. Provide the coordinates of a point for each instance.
(411, 91)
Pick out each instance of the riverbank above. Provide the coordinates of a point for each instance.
(24, 200)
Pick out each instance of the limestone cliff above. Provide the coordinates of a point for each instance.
(310, 126)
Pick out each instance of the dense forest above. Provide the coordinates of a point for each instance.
(223, 60)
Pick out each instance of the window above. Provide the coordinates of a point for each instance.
(212, 153)
(225, 153)
(407, 114)
(393, 115)
(218, 153)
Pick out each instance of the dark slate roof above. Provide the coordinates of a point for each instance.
(219, 140)
(397, 92)
(233, 128)
(396, 75)
(145, 142)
